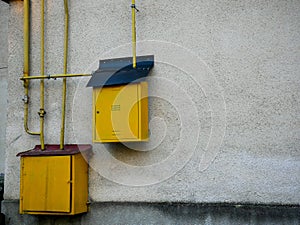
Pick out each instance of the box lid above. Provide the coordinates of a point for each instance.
(51, 150)
(120, 71)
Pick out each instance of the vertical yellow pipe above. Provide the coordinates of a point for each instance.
(26, 64)
(133, 34)
(64, 89)
(26, 38)
(42, 87)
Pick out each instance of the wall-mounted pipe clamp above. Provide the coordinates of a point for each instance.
(25, 99)
(42, 112)
(134, 7)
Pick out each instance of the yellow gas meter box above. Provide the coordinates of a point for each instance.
(54, 181)
(120, 113)
(120, 100)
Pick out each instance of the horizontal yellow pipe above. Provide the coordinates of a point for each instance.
(54, 76)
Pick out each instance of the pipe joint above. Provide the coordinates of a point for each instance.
(26, 82)
(42, 113)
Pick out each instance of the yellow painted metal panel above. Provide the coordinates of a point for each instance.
(103, 107)
(80, 184)
(128, 97)
(46, 184)
(120, 113)
(143, 110)
(116, 113)
(96, 137)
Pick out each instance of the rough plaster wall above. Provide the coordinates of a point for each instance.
(247, 55)
(3, 79)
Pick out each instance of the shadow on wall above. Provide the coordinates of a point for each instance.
(2, 217)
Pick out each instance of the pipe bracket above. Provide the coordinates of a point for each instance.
(42, 112)
(134, 7)
(25, 99)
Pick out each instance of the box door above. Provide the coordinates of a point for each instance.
(46, 183)
(117, 113)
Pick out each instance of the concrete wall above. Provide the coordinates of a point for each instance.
(156, 213)
(3, 79)
(224, 106)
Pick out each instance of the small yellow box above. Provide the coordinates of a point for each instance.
(120, 99)
(54, 182)
(120, 113)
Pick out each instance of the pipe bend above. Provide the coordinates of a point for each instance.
(30, 132)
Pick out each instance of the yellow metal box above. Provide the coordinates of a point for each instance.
(120, 99)
(120, 113)
(54, 182)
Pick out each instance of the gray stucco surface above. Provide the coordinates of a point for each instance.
(3, 79)
(151, 213)
(236, 61)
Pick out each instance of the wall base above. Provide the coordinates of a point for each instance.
(162, 213)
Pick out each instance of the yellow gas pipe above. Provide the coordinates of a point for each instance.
(26, 65)
(64, 89)
(54, 76)
(26, 76)
(133, 34)
(26, 71)
(42, 87)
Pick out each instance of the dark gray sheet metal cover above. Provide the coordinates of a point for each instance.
(120, 71)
